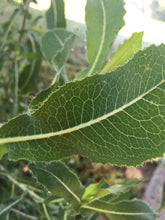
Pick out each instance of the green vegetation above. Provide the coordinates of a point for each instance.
(109, 113)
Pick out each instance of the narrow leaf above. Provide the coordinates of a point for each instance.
(29, 74)
(125, 210)
(125, 52)
(114, 192)
(116, 117)
(118, 189)
(104, 18)
(9, 25)
(59, 180)
(55, 16)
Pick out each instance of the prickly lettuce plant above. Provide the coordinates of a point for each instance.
(110, 113)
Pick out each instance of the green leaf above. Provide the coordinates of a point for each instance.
(59, 180)
(9, 25)
(125, 52)
(9, 204)
(57, 56)
(60, 79)
(56, 46)
(114, 192)
(118, 189)
(104, 18)
(125, 210)
(55, 16)
(91, 191)
(29, 74)
(120, 192)
(3, 150)
(63, 213)
(92, 217)
(116, 117)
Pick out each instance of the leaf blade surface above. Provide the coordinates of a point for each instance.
(55, 15)
(117, 117)
(104, 18)
(125, 210)
(59, 180)
(56, 44)
(124, 52)
(3, 150)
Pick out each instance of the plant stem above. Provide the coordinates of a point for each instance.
(23, 214)
(21, 186)
(65, 215)
(9, 206)
(16, 72)
(12, 190)
(26, 6)
(7, 33)
(56, 200)
(46, 211)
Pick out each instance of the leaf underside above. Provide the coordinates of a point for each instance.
(125, 210)
(104, 18)
(118, 117)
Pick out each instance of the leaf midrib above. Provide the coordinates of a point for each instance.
(102, 39)
(75, 128)
(113, 212)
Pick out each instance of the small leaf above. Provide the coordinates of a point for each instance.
(125, 210)
(3, 150)
(104, 18)
(119, 192)
(56, 46)
(118, 189)
(91, 191)
(125, 52)
(113, 192)
(59, 180)
(55, 16)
